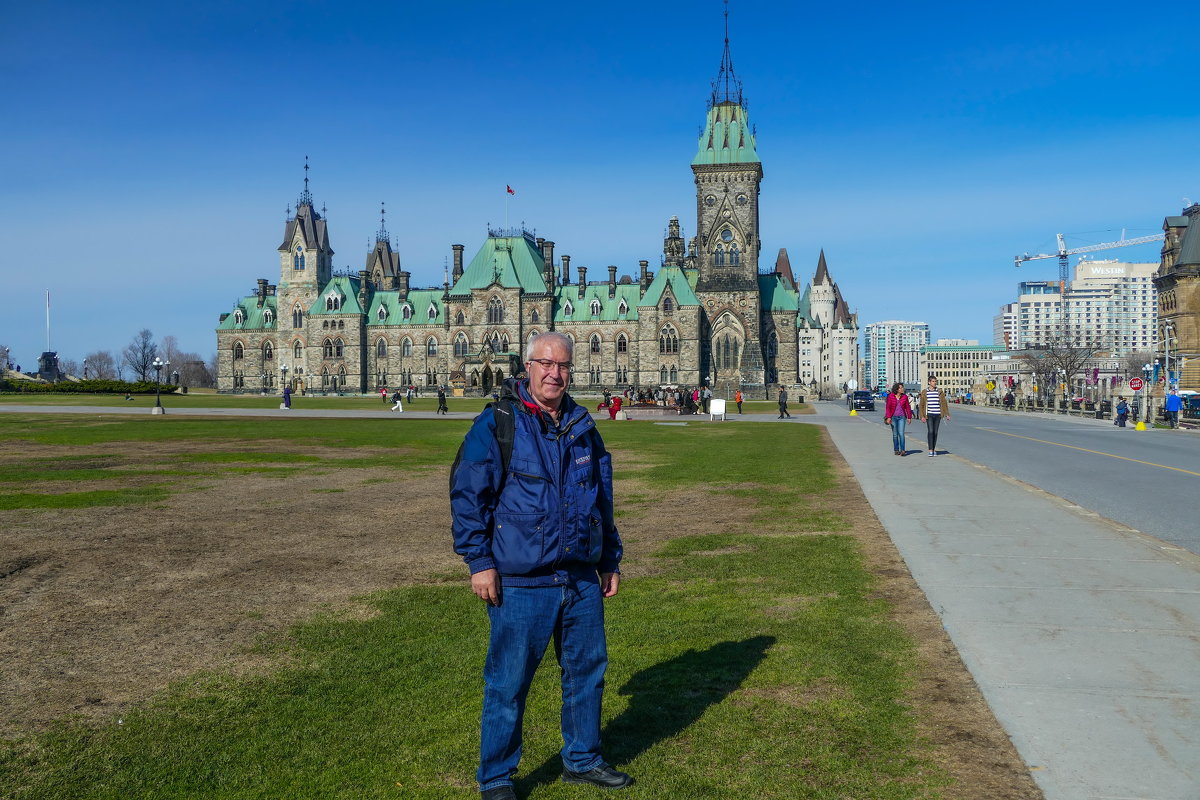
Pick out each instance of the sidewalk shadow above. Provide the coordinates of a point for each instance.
(666, 699)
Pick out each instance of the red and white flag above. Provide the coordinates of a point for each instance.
(509, 188)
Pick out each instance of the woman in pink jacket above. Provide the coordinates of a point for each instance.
(897, 413)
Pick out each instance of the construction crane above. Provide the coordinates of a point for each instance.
(1063, 252)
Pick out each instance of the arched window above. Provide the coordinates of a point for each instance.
(341, 376)
(595, 308)
(719, 256)
(324, 377)
(339, 348)
(297, 317)
(623, 309)
(327, 348)
(268, 317)
(535, 317)
(381, 349)
(333, 302)
(268, 351)
(674, 375)
(495, 311)
(406, 313)
(622, 344)
(735, 255)
(238, 351)
(668, 340)
(459, 319)
(406, 347)
(431, 346)
(238, 317)
(382, 315)
(298, 258)
(495, 341)
(568, 309)
(662, 374)
(297, 349)
(504, 342)
(668, 305)
(460, 346)
(432, 312)
(595, 343)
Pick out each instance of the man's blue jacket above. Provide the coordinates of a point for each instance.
(551, 515)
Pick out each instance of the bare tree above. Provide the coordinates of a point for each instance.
(168, 348)
(138, 355)
(1132, 364)
(101, 365)
(69, 366)
(1063, 357)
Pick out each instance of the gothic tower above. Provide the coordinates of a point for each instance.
(305, 266)
(728, 173)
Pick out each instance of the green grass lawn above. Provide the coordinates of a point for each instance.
(752, 664)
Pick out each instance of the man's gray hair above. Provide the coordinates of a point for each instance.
(550, 336)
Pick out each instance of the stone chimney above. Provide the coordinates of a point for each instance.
(566, 270)
(261, 291)
(612, 280)
(458, 261)
(644, 276)
(364, 278)
(548, 253)
(403, 286)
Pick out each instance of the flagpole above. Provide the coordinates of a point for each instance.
(47, 320)
(506, 195)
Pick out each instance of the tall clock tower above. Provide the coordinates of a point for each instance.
(728, 174)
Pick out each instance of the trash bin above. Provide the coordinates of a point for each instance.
(1103, 409)
(800, 399)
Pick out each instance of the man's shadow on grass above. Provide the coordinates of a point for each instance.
(665, 700)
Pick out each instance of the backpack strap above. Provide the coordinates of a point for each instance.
(506, 429)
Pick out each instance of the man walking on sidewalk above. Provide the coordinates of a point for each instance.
(783, 411)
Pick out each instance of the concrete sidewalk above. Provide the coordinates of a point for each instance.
(1083, 635)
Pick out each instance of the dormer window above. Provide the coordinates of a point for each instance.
(298, 258)
(433, 312)
(595, 308)
(333, 302)
(623, 308)
(238, 317)
(382, 315)
(406, 313)
(568, 309)
(268, 317)
(668, 305)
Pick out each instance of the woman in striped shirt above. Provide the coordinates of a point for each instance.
(933, 409)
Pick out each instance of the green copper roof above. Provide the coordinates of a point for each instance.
(418, 302)
(804, 309)
(727, 137)
(610, 307)
(680, 287)
(514, 261)
(344, 287)
(252, 315)
(776, 295)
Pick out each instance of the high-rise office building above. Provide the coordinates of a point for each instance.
(890, 352)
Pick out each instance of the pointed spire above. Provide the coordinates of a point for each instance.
(822, 270)
(381, 235)
(306, 195)
(726, 88)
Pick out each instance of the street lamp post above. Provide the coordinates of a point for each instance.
(158, 365)
(283, 371)
(85, 369)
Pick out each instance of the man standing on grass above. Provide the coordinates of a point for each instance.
(535, 526)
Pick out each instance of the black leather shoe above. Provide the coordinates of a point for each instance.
(498, 793)
(603, 776)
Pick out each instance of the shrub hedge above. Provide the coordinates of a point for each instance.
(84, 387)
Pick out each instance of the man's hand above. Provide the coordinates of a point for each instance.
(486, 586)
(609, 583)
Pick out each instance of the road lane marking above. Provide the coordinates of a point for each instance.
(1085, 450)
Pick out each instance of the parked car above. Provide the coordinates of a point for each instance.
(860, 400)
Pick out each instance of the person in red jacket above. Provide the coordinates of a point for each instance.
(897, 414)
(614, 406)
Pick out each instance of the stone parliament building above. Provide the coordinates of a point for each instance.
(708, 314)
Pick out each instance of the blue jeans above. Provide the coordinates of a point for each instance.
(521, 626)
(898, 432)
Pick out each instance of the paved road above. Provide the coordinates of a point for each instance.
(1083, 635)
(1148, 480)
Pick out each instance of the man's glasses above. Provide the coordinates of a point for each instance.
(548, 365)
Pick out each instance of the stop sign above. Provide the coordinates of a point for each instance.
(1135, 384)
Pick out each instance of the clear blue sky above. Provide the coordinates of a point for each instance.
(149, 150)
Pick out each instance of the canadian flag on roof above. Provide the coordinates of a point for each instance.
(509, 188)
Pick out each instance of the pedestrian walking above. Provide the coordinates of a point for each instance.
(287, 397)
(934, 408)
(408, 396)
(383, 394)
(783, 398)
(442, 407)
(897, 412)
(1173, 406)
(737, 398)
(1122, 413)
(396, 404)
(543, 574)
(706, 394)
